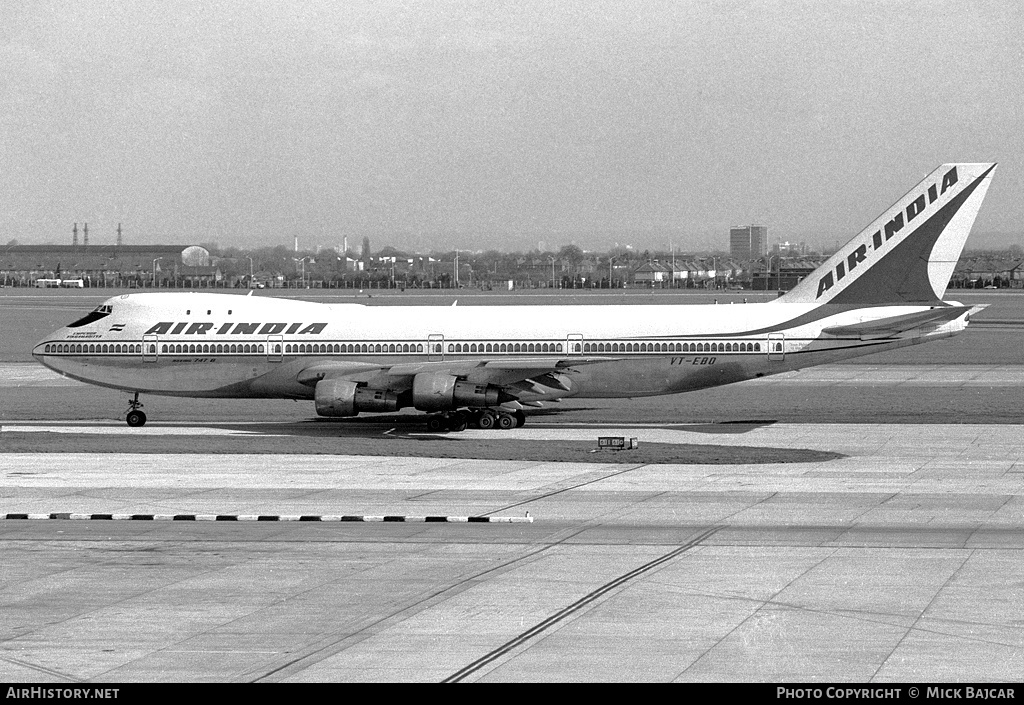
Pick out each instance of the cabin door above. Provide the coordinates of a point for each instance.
(150, 346)
(777, 346)
(275, 348)
(435, 347)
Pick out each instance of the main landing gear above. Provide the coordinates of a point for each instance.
(476, 418)
(135, 417)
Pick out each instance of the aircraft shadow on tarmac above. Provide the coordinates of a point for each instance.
(406, 437)
(374, 427)
(724, 427)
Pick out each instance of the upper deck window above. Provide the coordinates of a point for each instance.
(96, 314)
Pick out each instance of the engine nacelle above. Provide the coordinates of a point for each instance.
(437, 391)
(341, 397)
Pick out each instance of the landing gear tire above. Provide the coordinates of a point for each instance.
(486, 420)
(520, 418)
(506, 422)
(435, 423)
(135, 417)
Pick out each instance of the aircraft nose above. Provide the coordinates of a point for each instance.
(39, 351)
(43, 352)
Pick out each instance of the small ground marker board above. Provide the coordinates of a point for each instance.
(616, 443)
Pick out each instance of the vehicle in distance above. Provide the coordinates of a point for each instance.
(484, 365)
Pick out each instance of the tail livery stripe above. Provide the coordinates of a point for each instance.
(907, 254)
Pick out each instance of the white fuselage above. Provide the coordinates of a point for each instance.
(217, 345)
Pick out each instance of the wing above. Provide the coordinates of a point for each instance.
(524, 381)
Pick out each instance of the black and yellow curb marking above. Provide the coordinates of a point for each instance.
(273, 517)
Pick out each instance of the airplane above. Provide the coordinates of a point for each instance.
(482, 366)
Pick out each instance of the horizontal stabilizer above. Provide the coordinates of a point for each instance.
(894, 325)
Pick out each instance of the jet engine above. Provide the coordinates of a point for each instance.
(436, 391)
(341, 397)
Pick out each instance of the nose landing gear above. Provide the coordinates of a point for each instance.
(135, 416)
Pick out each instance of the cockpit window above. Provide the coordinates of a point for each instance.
(96, 314)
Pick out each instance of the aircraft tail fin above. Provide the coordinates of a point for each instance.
(907, 255)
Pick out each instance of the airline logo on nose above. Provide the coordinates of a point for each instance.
(891, 229)
(195, 328)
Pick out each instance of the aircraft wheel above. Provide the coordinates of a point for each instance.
(435, 423)
(506, 422)
(136, 419)
(487, 420)
(520, 419)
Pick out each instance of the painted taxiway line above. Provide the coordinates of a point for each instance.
(271, 517)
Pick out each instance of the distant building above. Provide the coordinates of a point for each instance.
(96, 265)
(748, 242)
(651, 273)
(785, 275)
(978, 272)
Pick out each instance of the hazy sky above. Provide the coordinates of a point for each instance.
(494, 124)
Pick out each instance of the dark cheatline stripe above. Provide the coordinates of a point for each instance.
(266, 517)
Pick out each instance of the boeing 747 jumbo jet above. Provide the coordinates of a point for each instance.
(483, 365)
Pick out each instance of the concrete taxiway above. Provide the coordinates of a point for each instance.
(900, 561)
(898, 557)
